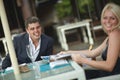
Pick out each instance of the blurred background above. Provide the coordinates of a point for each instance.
(53, 13)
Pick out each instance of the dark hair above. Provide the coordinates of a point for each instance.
(30, 20)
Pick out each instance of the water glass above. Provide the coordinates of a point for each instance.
(29, 53)
(35, 66)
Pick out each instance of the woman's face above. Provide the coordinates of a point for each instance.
(109, 20)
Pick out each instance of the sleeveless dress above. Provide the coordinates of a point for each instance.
(100, 73)
(116, 69)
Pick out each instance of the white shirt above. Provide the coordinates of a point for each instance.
(34, 51)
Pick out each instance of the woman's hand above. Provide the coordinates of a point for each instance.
(78, 58)
(64, 52)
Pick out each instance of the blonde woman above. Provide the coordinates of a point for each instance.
(110, 48)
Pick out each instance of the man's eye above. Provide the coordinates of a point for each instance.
(31, 28)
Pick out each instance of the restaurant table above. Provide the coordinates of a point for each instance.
(65, 72)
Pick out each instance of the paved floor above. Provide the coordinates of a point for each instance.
(78, 45)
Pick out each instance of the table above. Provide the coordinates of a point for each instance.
(72, 71)
(82, 24)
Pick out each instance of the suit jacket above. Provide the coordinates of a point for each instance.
(20, 43)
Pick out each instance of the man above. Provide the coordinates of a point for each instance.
(40, 44)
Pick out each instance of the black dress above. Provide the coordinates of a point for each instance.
(99, 73)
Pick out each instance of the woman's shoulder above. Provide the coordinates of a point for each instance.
(115, 36)
(115, 33)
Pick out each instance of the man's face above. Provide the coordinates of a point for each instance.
(34, 30)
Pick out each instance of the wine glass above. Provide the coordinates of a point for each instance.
(29, 53)
(35, 65)
(1, 70)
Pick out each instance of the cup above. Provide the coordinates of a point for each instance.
(36, 68)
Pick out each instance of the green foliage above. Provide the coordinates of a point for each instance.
(84, 4)
(64, 8)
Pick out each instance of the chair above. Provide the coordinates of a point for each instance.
(95, 27)
(73, 36)
(3, 40)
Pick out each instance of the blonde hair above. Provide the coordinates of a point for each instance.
(115, 9)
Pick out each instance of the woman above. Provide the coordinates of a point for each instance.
(110, 48)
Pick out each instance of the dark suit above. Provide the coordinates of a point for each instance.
(20, 43)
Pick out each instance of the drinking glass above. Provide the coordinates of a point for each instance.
(29, 53)
(1, 70)
(35, 64)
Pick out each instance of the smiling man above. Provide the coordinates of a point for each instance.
(40, 44)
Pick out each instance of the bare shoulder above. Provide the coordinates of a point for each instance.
(115, 34)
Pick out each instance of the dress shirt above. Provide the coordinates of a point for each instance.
(34, 51)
